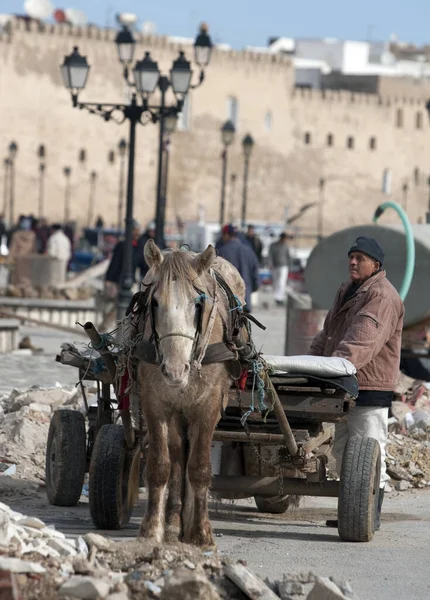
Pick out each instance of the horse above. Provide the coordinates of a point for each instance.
(189, 307)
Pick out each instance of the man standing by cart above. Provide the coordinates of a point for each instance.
(365, 326)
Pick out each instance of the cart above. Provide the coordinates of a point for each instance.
(270, 457)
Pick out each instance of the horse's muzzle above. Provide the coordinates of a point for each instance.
(175, 375)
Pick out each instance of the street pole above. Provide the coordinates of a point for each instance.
(321, 209)
(12, 192)
(91, 205)
(233, 178)
(127, 275)
(160, 211)
(245, 191)
(67, 172)
(6, 186)
(223, 185)
(165, 169)
(41, 188)
(121, 190)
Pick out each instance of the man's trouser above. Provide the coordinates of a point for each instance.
(280, 277)
(364, 421)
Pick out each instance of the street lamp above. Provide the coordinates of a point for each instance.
(247, 145)
(170, 123)
(321, 185)
(122, 149)
(13, 151)
(6, 164)
(41, 153)
(146, 78)
(92, 202)
(67, 172)
(227, 137)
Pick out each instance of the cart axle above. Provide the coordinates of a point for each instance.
(269, 486)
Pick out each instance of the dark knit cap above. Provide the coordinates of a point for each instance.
(369, 246)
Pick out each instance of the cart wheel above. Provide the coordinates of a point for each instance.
(275, 505)
(108, 482)
(65, 463)
(359, 489)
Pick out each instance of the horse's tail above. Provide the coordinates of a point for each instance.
(133, 480)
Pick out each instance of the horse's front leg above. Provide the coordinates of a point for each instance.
(197, 527)
(157, 477)
(176, 481)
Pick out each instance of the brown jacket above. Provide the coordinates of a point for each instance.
(367, 331)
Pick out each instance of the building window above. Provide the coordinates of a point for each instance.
(386, 181)
(307, 138)
(268, 121)
(419, 120)
(330, 139)
(350, 143)
(82, 155)
(184, 117)
(232, 110)
(416, 175)
(399, 118)
(372, 143)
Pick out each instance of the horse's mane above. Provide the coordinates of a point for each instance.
(178, 266)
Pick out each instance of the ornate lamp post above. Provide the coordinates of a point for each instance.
(122, 149)
(67, 172)
(13, 151)
(321, 185)
(227, 137)
(92, 202)
(247, 145)
(147, 78)
(41, 153)
(170, 122)
(6, 164)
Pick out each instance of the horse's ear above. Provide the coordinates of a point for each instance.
(152, 254)
(203, 261)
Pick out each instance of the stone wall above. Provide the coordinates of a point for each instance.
(284, 172)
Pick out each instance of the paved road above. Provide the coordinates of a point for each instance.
(393, 565)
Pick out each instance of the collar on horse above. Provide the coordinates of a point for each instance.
(231, 348)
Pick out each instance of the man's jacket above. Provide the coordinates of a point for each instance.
(367, 331)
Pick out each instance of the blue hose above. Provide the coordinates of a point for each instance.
(410, 244)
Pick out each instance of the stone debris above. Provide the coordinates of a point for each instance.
(24, 424)
(95, 567)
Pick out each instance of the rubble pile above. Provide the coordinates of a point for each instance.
(24, 425)
(47, 293)
(408, 447)
(36, 560)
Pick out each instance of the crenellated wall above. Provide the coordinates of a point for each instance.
(285, 171)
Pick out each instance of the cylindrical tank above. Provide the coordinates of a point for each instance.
(327, 266)
(303, 324)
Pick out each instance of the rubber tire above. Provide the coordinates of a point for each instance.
(108, 480)
(271, 505)
(65, 460)
(359, 489)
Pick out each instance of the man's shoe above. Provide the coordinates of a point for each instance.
(332, 523)
(378, 512)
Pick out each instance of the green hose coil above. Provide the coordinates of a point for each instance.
(410, 244)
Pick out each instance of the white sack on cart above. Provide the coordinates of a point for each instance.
(320, 366)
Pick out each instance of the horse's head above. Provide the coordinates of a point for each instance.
(177, 276)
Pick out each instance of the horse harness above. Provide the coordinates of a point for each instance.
(233, 350)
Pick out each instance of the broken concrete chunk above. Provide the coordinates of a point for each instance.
(186, 585)
(86, 588)
(98, 541)
(33, 522)
(16, 565)
(324, 589)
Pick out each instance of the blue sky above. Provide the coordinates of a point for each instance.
(252, 22)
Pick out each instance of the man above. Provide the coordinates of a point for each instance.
(365, 327)
(60, 247)
(113, 273)
(254, 241)
(279, 256)
(243, 258)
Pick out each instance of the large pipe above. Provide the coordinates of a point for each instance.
(105, 354)
(241, 436)
(269, 486)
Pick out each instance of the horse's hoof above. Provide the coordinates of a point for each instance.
(202, 538)
(151, 534)
(172, 535)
